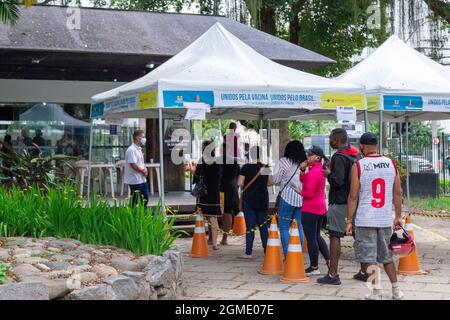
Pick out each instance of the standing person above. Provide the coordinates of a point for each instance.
(374, 188)
(232, 143)
(211, 173)
(290, 205)
(228, 185)
(338, 176)
(135, 172)
(314, 207)
(255, 200)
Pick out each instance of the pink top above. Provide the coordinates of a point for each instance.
(313, 192)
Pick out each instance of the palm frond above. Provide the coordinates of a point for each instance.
(9, 12)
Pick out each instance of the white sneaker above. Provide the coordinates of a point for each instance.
(312, 272)
(246, 256)
(374, 295)
(397, 294)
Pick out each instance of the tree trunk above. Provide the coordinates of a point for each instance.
(440, 8)
(294, 23)
(268, 23)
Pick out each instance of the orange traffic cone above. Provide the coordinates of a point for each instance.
(273, 262)
(239, 227)
(294, 269)
(199, 243)
(410, 265)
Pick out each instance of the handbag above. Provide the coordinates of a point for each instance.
(277, 200)
(241, 199)
(200, 189)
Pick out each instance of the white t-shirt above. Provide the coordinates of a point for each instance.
(377, 175)
(134, 155)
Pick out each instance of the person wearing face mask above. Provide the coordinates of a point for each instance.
(135, 171)
(314, 207)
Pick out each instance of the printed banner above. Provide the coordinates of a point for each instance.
(97, 110)
(267, 99)
(373, 103)
(122, 104)
(175, 98)
(333, 100)
(403, 103)
(436, 104)
(147, 100)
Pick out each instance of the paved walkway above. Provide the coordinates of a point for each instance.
(224, 276)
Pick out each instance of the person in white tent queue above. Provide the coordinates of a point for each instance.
(135, 171)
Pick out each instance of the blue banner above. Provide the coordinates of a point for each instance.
(97, 110)
(173, 98)
(403, 103)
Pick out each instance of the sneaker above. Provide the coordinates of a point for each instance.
(373, 296)
(361, 276)
(329, 279)
(312, 271)
(397, 294)
(246, 256)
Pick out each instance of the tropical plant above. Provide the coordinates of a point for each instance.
(4, 268)
(25, 169)
(9, 11)
(61, 213)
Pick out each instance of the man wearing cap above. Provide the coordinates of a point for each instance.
(375, 186)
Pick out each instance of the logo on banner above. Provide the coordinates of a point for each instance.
(175, 98)
(403, 103)
(333, 100)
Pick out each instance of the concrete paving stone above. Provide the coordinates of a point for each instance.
(223, 284)
(212, 275)
(227, 293)
(267, 295)
(441, 288)
(213, 268)
(354, 293)
(414, 295)
(314, 289)
(321, 297)
(265, 286)
(194, 291)
(246, 270)
(256, 277)
(427, 279)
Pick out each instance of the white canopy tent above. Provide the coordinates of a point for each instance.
(221, 71)
(402, 85)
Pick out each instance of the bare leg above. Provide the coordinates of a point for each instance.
(335, 254)
(391, 272)
(214, 231)
(227, 221)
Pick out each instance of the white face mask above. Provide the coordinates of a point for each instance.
(143, 141)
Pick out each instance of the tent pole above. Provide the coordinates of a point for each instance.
(161, 159)
(91, 134)
(407, 164)
(366, 115)
(380, 126)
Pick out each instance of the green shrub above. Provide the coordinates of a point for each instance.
(59, 212)
(4, 268)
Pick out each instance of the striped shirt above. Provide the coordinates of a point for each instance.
(286, 169)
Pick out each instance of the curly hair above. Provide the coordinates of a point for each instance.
(295, 151)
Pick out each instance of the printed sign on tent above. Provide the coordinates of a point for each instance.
(346, 114)
(196, 110)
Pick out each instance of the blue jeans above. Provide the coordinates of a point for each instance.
(139, 192)
(255, 218)
(286, 213)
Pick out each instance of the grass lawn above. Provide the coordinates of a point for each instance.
(431, 204)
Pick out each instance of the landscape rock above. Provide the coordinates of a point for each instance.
(90, 293)
(125, 264)
(24, 270)
(4, 254)
(24, 291)
(58, 265)
(160, 272)
(43, 267)
(57, 288)
(104, 271)
(87, 277)
(31, 260)
(123, 288)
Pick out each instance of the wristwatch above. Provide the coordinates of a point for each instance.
(347, 221)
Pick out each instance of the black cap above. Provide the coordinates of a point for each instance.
(368, 139)
(315, 150)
